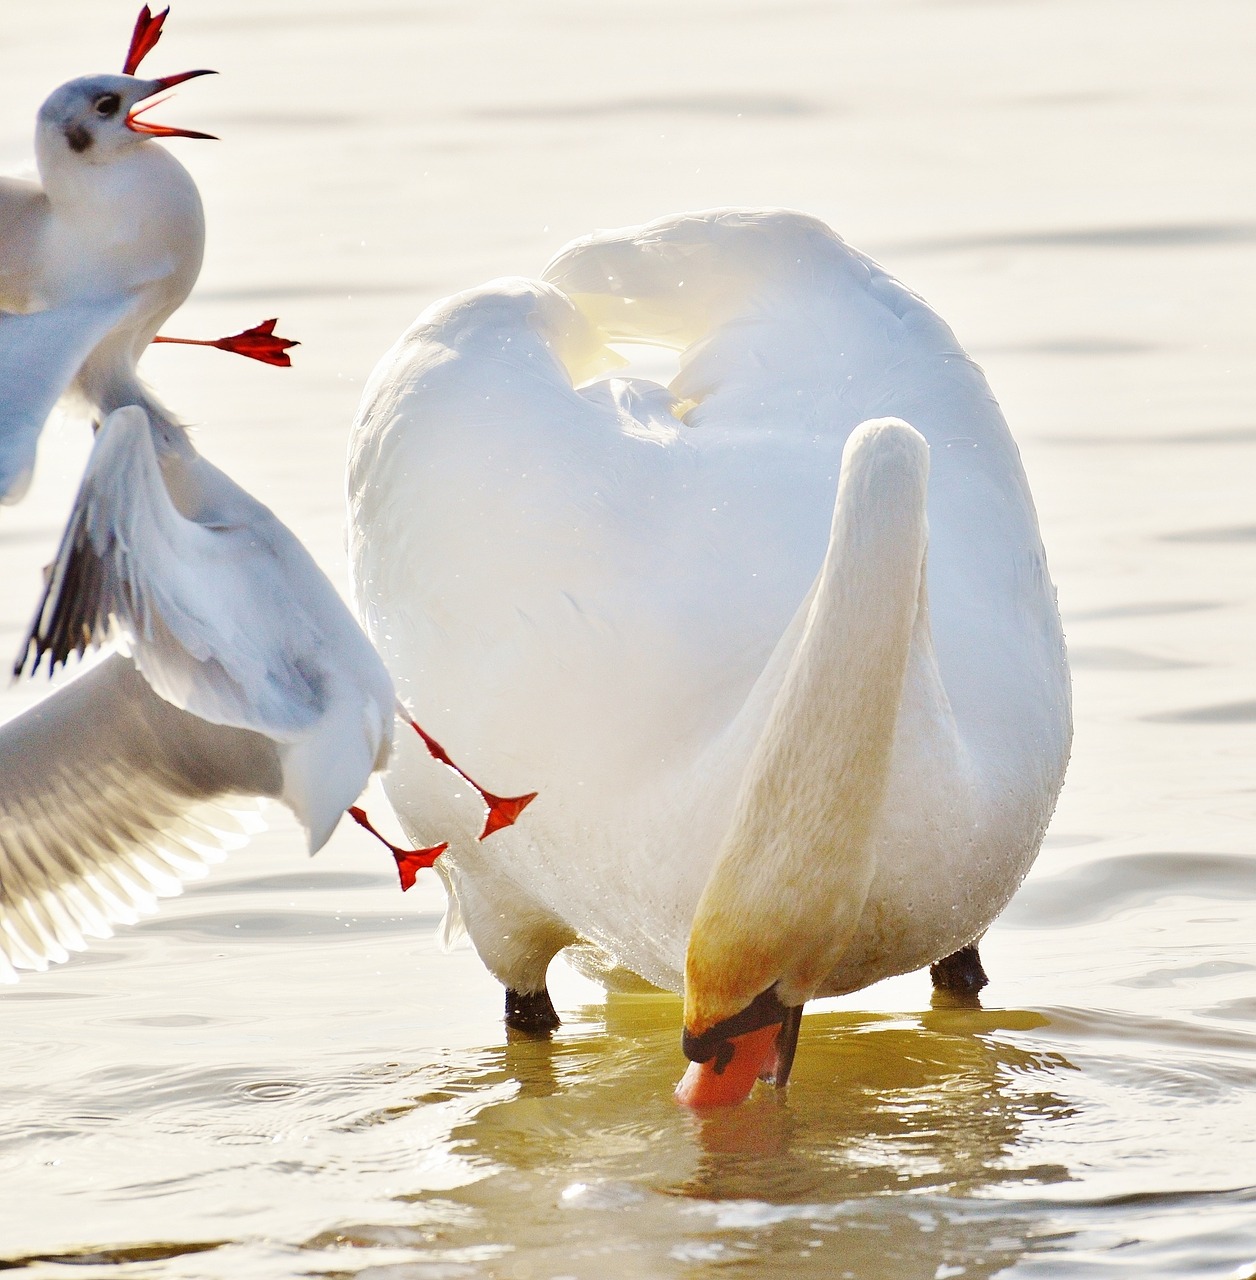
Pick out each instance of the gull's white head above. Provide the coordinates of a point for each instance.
(95, 120)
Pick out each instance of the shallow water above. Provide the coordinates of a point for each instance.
(282, 1075)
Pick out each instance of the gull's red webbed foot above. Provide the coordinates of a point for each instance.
(146, 34)
(258, 343)
(409, 861)
(502, 810)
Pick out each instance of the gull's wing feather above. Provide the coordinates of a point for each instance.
(39, 355)
(23, 208)
(206, 609)
(110, 798)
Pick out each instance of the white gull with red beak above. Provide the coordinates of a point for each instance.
(93, 257)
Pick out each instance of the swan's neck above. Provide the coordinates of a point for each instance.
(793, 871)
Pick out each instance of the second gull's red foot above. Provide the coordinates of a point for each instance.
(409, 861)
(146, 34)
(502, 810)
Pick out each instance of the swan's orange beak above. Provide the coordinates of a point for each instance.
(728, 1056)
(725, 1081)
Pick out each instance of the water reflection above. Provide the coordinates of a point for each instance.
(1107, 886)
(589, 1161)
(116, 1257)
(887, 1103)
(1156, 236)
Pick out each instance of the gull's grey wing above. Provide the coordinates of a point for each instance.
(208, 610)
(110, 797)
(39, 355)
(23, 208)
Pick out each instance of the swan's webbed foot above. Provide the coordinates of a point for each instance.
(960, 973)
(531, 1012)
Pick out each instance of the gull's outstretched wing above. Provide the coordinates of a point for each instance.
(209, 610)
(39, 355)
(110, 798)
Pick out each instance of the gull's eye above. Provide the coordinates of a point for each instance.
(107, 105)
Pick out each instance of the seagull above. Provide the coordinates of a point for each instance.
(776, 643)
(95, 255)
(240, 673)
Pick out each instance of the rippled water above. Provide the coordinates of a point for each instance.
(281, 1075)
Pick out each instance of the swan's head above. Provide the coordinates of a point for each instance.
(725, 1060)
(95, 120)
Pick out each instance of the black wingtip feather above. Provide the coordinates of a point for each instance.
(71, 616)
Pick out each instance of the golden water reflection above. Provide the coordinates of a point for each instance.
(891, 1122)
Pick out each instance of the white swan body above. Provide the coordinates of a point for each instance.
(589, 595)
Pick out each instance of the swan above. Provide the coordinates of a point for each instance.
(776, 644)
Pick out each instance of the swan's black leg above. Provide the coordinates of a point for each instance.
(960, 973)
(531, 1012)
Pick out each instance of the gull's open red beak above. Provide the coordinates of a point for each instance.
(136, 125)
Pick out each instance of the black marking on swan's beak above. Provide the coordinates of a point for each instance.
(717, 1040)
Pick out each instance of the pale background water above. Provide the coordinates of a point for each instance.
(280, 1075)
